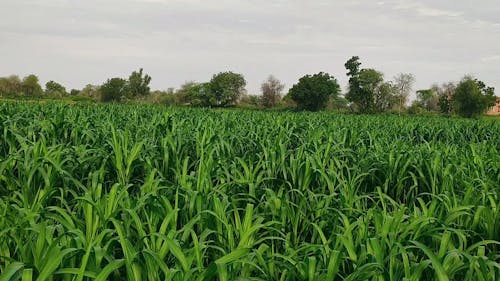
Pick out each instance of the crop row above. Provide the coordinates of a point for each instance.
(116, 192)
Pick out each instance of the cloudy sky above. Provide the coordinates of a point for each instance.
(77, 42)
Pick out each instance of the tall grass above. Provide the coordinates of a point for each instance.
(109, 192)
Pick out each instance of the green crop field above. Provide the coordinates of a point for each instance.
(129, 192)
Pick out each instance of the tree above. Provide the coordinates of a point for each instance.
(353, 65)
(472, 97)
(338, 103)
(445, 94)
(272, 90)
(31, 86)
(427, 99)
(91, 91)
(367, 89)
(369, 81)
(385, 97)
(11, 85)
(312, 92)
(54, 89)
(445, 104)
(250, 101)
(225, 89)
(193, 93)
(403, 84)
(138, 86)
(115, 89)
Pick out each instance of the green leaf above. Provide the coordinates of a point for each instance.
(108, 269)
(12, 271)
(438, 267)
(233, 256)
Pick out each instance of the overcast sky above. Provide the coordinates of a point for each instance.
(87, 41)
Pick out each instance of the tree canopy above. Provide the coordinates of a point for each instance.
(54, 89)
(472, 97)
(367, 92)
(366, 87)
(312, 92)
(31, 86)
(114, 89)
(138, 84)
(225, 89)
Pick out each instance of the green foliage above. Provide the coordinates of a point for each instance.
(385, 96)
(115, 89)
(10, 86)
(472, 97)
(118, 89)
(91, 91)
(353, 67)
(367, 90)
(338, 103)
(250, 101)
(445, 104)
(134, 192)
(225, 89)
(427, 99)
(138, 86)
(54, 89)
(312, 92)
(194, 94)
(445, 94)
(31, 87)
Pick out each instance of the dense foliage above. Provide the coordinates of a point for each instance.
(473, 97)
(54, 89)
(138, 84)
(114, 192)
(367, 92)
(114, 89)
(312, 92)
(225, 89)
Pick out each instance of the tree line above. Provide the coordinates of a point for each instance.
(367, 92)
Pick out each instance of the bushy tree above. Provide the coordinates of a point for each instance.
(54, 89)
(115, 89)
(312, 92)
(31, 86)
(385, 97)
(367, 90)
(194, 94)
(354, 94)
(272, 90)
(225, 89)
(369, 80)
(472, 97)
(138, 84)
